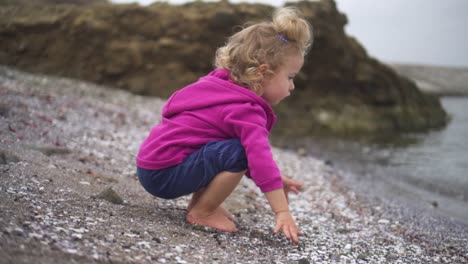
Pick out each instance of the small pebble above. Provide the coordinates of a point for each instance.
(383, 221)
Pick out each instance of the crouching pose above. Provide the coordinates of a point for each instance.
(216, 130)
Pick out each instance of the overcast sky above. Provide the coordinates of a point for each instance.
(407, 31)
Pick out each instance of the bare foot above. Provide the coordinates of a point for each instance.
(215, 220)
(225, 211)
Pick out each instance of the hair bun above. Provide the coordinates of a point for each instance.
(288, 22)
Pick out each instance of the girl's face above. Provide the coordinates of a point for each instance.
(280, 85)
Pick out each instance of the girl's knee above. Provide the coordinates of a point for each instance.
(234, 156)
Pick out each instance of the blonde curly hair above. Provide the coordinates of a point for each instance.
(264, 43)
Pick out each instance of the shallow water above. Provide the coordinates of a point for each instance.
(430, 174)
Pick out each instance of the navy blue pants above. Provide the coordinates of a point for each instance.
(196, 171)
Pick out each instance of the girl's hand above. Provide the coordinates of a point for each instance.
(285, 222)
(290, 186)
(283, 219)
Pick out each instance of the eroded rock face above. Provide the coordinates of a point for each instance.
(158, 49)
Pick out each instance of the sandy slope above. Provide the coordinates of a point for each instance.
(62, 143)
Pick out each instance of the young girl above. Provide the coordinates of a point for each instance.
(216, 130)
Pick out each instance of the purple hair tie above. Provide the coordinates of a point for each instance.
(285, 40)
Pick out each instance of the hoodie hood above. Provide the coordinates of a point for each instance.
(214, 89)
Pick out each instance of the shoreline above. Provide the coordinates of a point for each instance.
(65, 142)
(437, 80)
(365, 167)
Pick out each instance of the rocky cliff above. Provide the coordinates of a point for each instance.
(158, 49)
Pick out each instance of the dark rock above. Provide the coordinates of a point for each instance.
(50, 151)
(391, 257)
(158, 49)
(257, 234)
(363, 256)
(111, 196)
(7, 157)
(343, 230)
(4, 110)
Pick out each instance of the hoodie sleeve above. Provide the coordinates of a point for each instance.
(248, 122)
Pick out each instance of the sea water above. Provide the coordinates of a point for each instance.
(429, 171)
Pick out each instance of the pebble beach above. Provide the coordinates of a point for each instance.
(69, 194)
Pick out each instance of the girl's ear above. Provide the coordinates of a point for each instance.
(263, 68)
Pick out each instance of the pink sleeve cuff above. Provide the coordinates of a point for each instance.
(274, 184)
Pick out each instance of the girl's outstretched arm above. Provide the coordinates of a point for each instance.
(283, 218)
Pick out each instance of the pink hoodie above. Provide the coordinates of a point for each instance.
(214, 109)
